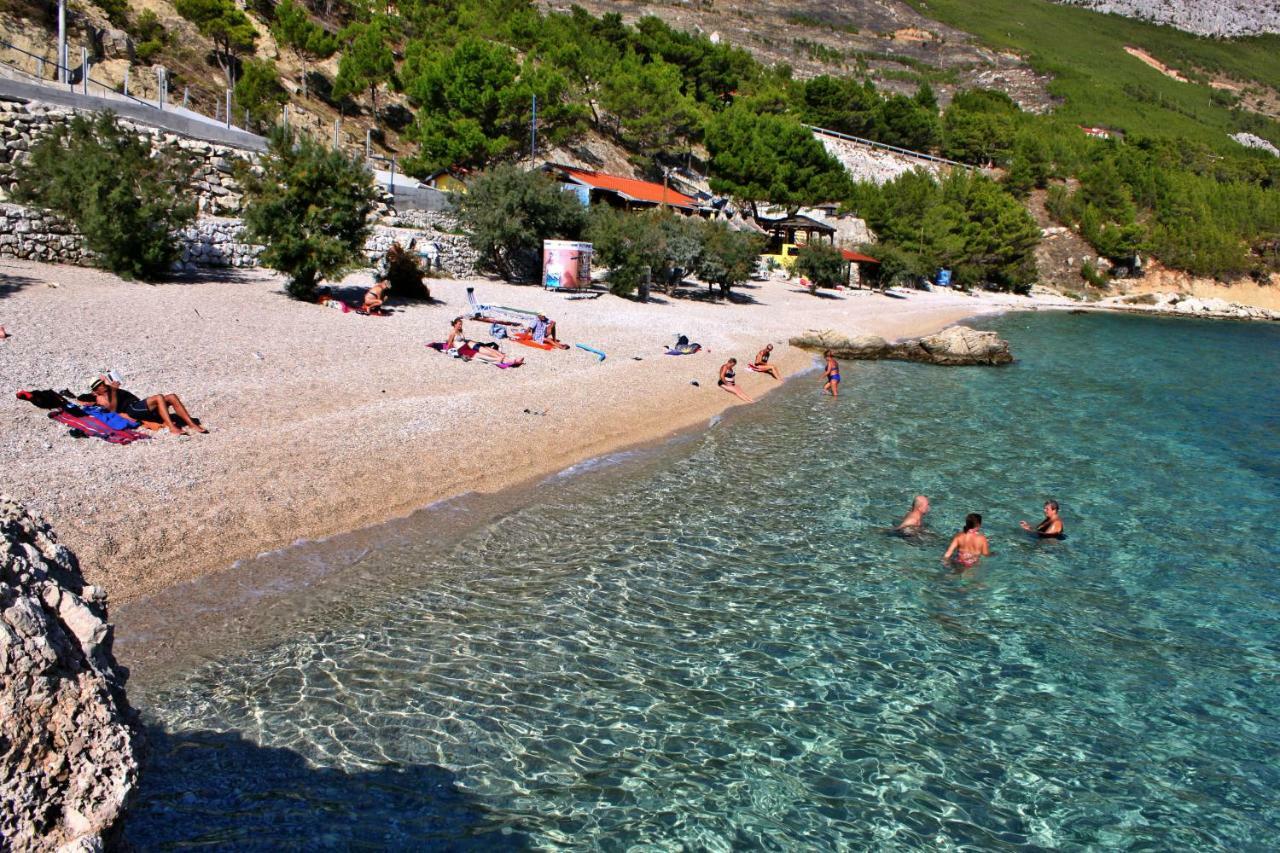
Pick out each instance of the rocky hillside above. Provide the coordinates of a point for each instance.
(885, 41)
(67, 763)
(1222, 18)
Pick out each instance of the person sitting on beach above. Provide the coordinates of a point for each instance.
(1051, 527)
(762, 365)
(969, 545)
(457, 344)
(543, 330)
(832, 374)
(727, 382)
(374, 297)
(913, 521)
(109, 395)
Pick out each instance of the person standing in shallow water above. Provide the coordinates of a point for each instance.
(1051, 527)
(913, 521)
(969, 545)
(832, 374)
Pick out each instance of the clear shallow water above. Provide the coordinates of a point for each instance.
(721, 647)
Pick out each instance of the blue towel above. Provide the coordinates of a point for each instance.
(115, 420)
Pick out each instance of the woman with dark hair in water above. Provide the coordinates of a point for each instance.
(969, 545)
(1051, 527)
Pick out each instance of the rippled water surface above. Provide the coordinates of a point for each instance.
(721, 647)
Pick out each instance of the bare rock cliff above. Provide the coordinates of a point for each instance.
(67, 745)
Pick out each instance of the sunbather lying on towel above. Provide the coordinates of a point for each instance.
(457, 344)
(543, 330)
(110, 396)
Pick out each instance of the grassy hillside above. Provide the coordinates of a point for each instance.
(1101, 84)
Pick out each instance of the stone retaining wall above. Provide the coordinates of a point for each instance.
(22, 125)
(214, 241)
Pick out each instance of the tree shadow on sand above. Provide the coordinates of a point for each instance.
(11, 284)
(219, 791)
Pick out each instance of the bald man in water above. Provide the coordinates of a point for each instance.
(913, 521)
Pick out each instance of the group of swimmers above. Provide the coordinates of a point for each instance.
(728, 374)
(970, 545)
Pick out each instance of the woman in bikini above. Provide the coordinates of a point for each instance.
(762, 365)
(465, 349)
(832, 374)
(969, 545)
(727, 382)
(374, 297)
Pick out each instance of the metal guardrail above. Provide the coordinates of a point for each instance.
(78, 78)
(907, 152)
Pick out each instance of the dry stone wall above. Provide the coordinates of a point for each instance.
(68, 747)
(23, 124)
(215, 242)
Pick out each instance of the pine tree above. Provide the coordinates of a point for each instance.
(227, 26)
(367, 63)
(294, 29)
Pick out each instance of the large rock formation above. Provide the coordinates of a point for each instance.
(67, 746)
(954, 345)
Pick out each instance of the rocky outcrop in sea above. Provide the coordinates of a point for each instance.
(67, 746)
(954, 345)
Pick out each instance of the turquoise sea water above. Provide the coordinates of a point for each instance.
(720, 647)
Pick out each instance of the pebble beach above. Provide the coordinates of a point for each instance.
(323, 422)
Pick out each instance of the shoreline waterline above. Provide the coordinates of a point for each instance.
(217, 613)
(324, 422)
(722, 645)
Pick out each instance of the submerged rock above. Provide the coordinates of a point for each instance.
(67, 747)
(954, 345)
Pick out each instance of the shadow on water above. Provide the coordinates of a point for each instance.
(221, 791)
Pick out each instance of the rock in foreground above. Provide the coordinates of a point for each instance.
(67, 762)
(954, 345)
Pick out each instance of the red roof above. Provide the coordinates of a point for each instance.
(858, 257)
(628, 188)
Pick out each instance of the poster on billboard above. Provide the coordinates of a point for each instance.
(566, 265)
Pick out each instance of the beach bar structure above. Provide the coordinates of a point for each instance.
(796, 229)
(626, 193)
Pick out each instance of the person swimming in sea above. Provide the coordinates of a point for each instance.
(913, 522)
(1051, 527)
(969, 545)
(832, 375)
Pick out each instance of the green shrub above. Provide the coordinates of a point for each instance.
(507, 212)
(258, 91)
(822, 265)
(728, 257)
(1093, 277)
(405, 275)
(126, 200)
(117, 11)
(309, 206)
(149, 36)
(631, 245)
